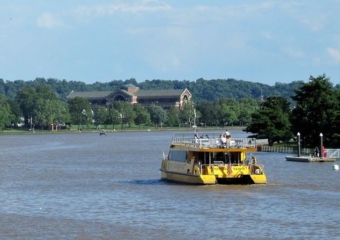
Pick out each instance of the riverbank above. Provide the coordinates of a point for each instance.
(110, 129)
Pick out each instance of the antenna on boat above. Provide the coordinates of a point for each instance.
(194, 126)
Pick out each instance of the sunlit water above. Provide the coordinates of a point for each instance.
(87, 186)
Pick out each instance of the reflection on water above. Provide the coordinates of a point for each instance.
(86, 186)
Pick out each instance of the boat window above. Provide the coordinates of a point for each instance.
(221, 157)
(180, 156)
(204, 157)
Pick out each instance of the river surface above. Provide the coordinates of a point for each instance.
(87, 186)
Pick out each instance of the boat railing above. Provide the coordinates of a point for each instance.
(213, 142)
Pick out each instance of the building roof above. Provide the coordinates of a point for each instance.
(89, 95)
(129, 85)
(159, 93)
(121, 91)
(139, 94)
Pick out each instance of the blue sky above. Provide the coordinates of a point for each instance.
(104, 40)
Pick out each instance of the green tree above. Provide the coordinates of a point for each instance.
(316, 111)
(46, 105)
(26, 99)
(49, 111)
(142, 115)
(123, 111)
(114, 117)
(44, 112)
(157, 115)
(15, 109)
(227, 111)
(62, 114)
(272, 121)
(247, 107)
(39, 104)
(80, 111)
(100, 115)
(6, 115)
(173, 117)
(209, 116)
(188, 113)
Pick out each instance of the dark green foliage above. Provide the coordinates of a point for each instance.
(202, 90)
(40, 105)
(225, 111)
(272, 121)
(121, 112)
(80, 111)
(142, 115)
(100, 115)
(317, 111)
(158, 115)
(209, 114)
(173, 116)
(16, 111)
(6, 115)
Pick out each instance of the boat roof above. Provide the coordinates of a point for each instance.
(211, 142)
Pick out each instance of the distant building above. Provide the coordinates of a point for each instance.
(131, 94)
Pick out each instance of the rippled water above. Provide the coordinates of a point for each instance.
(86, 186)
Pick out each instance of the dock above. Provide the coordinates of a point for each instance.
(309, 159)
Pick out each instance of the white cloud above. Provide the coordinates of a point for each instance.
(335, 54)
(48, 20)
(143, 6)
(305, 14)
(135, 30)
(294, 53)
(268, 35)
(314, 24)
(258, 7)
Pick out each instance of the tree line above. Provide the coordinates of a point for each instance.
(312, 108)
(201, 89)
(41, 108)
(316, 111)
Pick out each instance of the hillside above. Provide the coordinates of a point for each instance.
(202, 90)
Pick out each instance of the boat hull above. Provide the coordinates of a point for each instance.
(215, 175)
(188, 178)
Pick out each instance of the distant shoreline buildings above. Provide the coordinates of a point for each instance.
(129, 93)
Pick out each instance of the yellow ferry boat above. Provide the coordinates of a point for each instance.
(211, 159)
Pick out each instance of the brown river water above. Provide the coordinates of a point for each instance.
(87, 186)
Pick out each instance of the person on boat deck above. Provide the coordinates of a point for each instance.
(195, 138)
(227, 134)
(223, 139)
(316, 152)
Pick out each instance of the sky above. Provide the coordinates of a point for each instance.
(269, 41)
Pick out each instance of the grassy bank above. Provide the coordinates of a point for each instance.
(74, 129)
